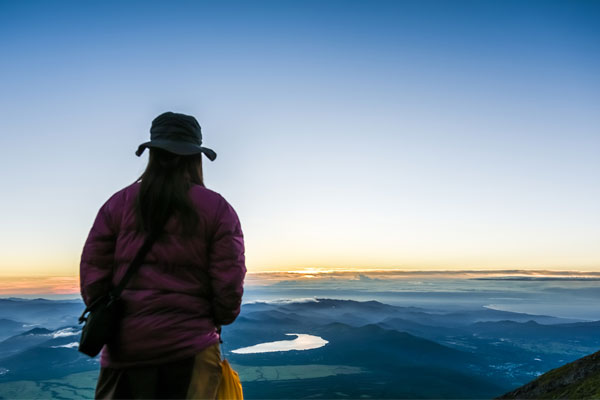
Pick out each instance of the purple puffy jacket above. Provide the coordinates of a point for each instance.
(184, 288)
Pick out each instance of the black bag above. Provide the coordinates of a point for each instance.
(102, 322)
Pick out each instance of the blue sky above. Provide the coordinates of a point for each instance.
(349, 134)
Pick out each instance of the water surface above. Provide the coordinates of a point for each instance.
(301, 342)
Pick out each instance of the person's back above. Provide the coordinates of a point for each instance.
(190, 282)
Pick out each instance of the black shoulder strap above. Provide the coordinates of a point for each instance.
(135, 264)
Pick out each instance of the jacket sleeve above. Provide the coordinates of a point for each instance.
(227, 266)
(95, 270)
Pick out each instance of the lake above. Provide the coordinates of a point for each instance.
(301, 342)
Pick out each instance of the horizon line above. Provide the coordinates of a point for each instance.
(327, 270)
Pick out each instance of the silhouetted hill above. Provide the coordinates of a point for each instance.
(358, 313)
(8, 328)
(534, 330)
(23, 341)
(388, 347)
(36, 331)
(51, 314)
(42, 353)
(579, 379)
(422, 330)
(45, 363)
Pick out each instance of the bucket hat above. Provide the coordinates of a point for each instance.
(177, 133)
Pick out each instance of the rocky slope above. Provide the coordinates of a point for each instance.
(579, 379)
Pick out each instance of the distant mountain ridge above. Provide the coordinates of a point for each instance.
(50, 314)
(373, 349)
(8, 328)
(579, 379)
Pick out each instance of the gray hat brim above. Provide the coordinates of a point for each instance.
(181, 148)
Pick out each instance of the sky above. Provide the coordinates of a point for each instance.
(417, 135)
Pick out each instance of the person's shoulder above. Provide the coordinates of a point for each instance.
(207, 195)
(125, 193)
(214, 199)
(199, 190)
(119, 198)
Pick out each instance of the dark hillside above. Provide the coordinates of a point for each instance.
(579, 379)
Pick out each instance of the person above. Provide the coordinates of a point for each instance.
(189, 284)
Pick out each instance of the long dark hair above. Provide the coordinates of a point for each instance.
(164, 191)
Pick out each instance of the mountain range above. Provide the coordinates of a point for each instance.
(373, 350)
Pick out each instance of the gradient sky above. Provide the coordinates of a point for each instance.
(350, 134)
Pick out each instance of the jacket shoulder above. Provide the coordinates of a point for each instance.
(217, 204)
(208, 197)
(113, 206)
(123, 195)
(203, 191)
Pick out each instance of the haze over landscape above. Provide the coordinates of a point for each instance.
(348, 335)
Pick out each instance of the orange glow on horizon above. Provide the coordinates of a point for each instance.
(69, 285)
(26, 285)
